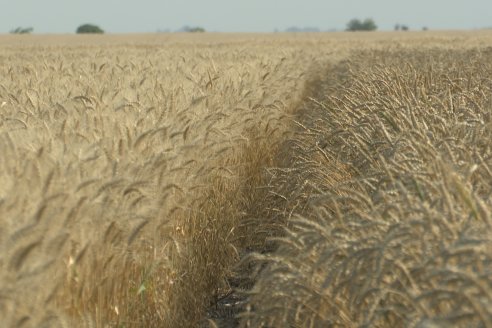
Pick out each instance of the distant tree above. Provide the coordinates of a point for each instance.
(354, 25)
(196, 29)
(22, 30)
(89, 28)
(425, 28)
(401, 27)
(369, 25)
(357, 25)
(190, 29)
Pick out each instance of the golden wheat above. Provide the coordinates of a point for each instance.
(126, 169)
(402, 237)
(136, 171)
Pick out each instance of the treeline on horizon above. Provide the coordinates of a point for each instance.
(353, 25)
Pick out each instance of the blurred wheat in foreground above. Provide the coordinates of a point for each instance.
(354, 186)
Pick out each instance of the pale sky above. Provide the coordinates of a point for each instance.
(124, 16)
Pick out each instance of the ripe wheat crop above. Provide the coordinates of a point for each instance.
(392, 224)
(136, 172)
(125, 168)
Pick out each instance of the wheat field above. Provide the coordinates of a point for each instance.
(278, 180)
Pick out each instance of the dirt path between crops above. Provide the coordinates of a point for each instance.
(233, 300)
